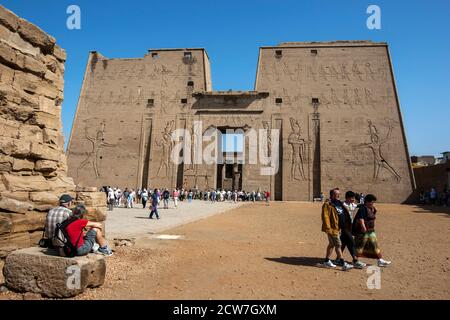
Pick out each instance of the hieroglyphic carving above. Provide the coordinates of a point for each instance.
(97, 142)
(166, 145)
(376, 144)
(298, 154)
(369, 72)
(356, 72)
(345, 73)
(266, 127)
(369, 98)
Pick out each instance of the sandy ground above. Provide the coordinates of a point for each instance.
(258, 252)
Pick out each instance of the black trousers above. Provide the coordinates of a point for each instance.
(347, 241)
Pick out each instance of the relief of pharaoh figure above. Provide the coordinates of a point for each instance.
(97, 144)
(375, 145)
(166, 145)
(298, 154)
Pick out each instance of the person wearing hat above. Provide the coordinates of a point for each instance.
(57, 215)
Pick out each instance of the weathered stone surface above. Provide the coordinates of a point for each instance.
(41, 271)
(17, 195)
(27, 183)
(14, 40)
(8, 19)
(45, 197)
(6, 75)
(5, 223)
(92, 198)
(2, 278)
(44, 151)
(53, 137)
(13, 241)
(36, 36)
(46, 120)
(60, 53)
(9, 128)
(30, 221)
(46, 165)
(30, 64)
(32, 133)
(15, 147)
(13, 205)
(23, 165)
(96, 214)
(8, 55)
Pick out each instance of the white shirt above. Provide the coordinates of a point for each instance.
(351, 207)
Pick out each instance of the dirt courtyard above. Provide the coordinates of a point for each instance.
(259, 252)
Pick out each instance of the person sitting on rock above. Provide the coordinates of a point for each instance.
(55, 216)
(84, 242)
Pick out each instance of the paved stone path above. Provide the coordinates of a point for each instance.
(134, 223)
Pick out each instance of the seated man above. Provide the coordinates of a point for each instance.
(84, 242)
(55, 216)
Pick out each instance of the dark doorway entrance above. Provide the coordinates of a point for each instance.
(229, 176)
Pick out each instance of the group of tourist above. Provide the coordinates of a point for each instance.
(434, 197)
(128, 198)
(352, 226)
(67, 230)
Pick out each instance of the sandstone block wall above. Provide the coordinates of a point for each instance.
(33, 169)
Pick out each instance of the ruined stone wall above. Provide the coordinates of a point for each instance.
(33, 170)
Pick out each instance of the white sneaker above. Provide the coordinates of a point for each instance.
(383, 263)
(329, 264)
(95, 247)
(347, 266)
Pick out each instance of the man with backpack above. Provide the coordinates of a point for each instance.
(79, 243)
(55, 216)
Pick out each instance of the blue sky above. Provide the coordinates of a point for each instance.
(418, 33)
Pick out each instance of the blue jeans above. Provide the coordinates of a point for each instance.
(89, 240)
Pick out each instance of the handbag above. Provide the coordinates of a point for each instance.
(44, 242)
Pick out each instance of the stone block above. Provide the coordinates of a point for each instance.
(53, 137)
(31, 133)
(15, 111)
(13, 205)
(14, 40)
(46, 166)
(31, 221)
(97, 214)
(8, 55)
(59, 53)
(30, 64)
(25, 183)
(92, 199)
(44, 151)
(17, 195)
(36, 36)
(6, 75)
(5, 223)
(9, 128)
(42, 271)
(62, 184)
(13, 241)
(46, 120)
(45, 197)
(49, 106)
(23, 165)
(8, 19)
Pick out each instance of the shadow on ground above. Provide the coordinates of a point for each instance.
(298, 261)
(433, 209)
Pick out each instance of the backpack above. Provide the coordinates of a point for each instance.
(70, 250)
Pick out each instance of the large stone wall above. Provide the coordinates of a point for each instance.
(33, 170)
